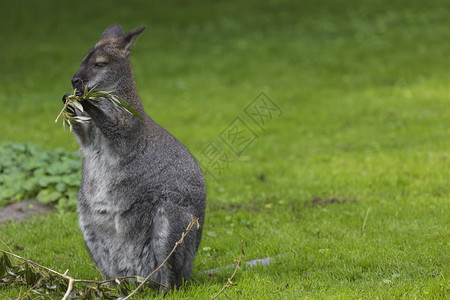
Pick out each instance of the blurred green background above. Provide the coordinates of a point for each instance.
(199, 63)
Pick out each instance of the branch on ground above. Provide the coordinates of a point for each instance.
(38, 276)
(229, 281)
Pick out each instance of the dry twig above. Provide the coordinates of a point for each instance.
(364, 222)
(229, 281)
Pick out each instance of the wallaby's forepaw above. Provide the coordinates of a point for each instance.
(64, 98)
(68, 108)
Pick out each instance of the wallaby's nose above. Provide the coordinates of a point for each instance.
(76, 82)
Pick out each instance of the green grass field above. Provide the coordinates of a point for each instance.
(348, 189)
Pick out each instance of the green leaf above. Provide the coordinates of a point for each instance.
(128, 107)
(61, 187)
(78, 105)
(114, 100)
(82, 119)
(29, 278)
(6, 261)
(2, 266)
(89, 93)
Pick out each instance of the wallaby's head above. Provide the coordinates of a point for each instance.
(107, 65)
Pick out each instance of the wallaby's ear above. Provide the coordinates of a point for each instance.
(113, 31)
(129, 38)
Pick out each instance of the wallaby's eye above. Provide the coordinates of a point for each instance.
(100, 65)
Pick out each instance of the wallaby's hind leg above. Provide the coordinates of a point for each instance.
(165, 235)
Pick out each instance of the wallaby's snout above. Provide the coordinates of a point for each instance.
(77, 81)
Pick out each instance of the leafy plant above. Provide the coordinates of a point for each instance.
(27, 171)
(73, 102)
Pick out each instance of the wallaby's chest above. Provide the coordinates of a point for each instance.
(101, 171)
(103, 197)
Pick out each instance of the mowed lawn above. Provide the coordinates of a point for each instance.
(341, 168)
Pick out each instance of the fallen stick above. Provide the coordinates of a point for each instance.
(229, 281)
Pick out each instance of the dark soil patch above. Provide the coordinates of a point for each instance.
(317, 201)
(262, 177)
(23, 210)
(231, 208)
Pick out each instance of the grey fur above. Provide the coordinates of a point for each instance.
(140, 184)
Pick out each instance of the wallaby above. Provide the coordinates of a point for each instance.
(140, 185)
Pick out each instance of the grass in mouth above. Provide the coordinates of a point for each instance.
(74, 101)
